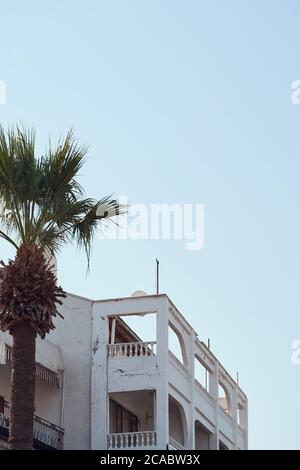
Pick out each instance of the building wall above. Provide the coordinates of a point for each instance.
(73, 337)
(5, 373)
(48, 401)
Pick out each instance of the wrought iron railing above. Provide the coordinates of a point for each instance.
(44, 432)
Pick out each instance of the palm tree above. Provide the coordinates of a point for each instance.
(42, 207)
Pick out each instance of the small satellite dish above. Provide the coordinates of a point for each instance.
(139, 293)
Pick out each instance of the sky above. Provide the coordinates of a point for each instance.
(184, 102)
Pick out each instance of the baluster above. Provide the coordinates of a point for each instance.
(130, 350)
(126, 441)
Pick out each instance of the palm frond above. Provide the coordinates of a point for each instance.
(41, 199)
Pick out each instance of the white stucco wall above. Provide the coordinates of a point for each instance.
(73, 336)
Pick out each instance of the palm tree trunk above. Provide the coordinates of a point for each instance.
(22, 387)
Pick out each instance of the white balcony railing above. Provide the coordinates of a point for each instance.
(173, 444)
(132, 349)
(132, 440)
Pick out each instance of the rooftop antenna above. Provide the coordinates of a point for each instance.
(208, 343)
(237, 377)
(157, 276)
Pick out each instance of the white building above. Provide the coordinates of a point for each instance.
(99, 386)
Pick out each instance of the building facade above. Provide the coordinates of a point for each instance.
(100, 386)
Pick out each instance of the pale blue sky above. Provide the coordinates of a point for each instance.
(182, 101)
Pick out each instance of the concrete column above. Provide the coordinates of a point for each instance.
(99, 398)
(191, 369)
(246, 425)
(234, 404)
(214, 391)
(162, 398)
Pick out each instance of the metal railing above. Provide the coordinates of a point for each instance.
(43, 431)
(175, 445)
(48, 433)
(138, 349)
(132, 440)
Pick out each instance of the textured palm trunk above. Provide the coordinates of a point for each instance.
(22, 387)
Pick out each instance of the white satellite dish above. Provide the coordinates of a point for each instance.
(139, 293)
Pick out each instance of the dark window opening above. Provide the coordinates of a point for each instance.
(122, 420)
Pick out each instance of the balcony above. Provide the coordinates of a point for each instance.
(138, 440)
(136, 349)
(47, 436)
(132, 440)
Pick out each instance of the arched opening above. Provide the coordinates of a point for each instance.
(177, 424)
(202, 436)
(201, 373)
(223, 446)
(224, 399)
(176, 345)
